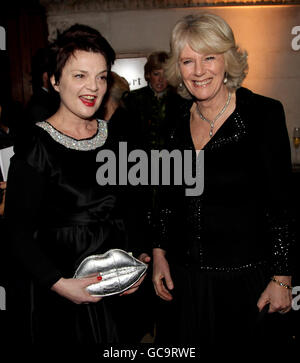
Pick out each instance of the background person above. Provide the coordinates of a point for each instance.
(113, 108)
(10, 120)
(151, 119)
(2, 198)
(215, 254)
(118, 87)
(151, 107)
(44, 101)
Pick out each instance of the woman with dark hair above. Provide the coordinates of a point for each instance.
(56, 212)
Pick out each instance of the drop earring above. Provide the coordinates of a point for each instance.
(225, 78)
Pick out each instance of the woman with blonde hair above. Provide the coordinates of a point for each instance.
(222, 260)
(151, 108)
(117, 89)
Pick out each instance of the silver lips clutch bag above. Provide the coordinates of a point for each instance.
(119, 271)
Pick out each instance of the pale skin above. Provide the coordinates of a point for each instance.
(203, 76)
(81, 87)
(157, 80)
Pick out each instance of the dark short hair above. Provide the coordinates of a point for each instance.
(155, 61)
(77, 37)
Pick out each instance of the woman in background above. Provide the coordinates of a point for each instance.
(117, 89)
(151, 108)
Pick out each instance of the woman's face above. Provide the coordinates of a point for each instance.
(157, 80)
(202, 74)
(82, 84)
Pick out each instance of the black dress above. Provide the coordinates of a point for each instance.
(224, 245)
(57, 214)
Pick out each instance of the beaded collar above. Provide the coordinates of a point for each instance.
(69, 142)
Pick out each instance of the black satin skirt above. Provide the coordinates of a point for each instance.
(42, 326)
(56, 319)
(41, 316)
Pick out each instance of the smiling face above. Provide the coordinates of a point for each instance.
(82, 84)
(157, 80)
(202, 74)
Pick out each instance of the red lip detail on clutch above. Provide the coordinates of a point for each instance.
(99, 278)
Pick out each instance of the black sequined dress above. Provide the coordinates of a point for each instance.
(224, 245)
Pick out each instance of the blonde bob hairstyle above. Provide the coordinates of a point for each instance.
(205, 33)
(155, 61)
(117, 88)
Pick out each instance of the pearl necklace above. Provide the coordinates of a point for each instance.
(212, 123)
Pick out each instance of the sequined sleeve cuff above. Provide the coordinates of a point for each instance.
(161, 229)
(282, 236)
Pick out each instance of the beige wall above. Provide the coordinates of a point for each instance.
(265, 31)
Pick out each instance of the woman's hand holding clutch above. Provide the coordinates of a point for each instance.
(146, 259)
(75, 289)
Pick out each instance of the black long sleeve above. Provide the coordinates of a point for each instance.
(23, 211)
(276, 159)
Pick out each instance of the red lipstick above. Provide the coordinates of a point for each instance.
(88, 100)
